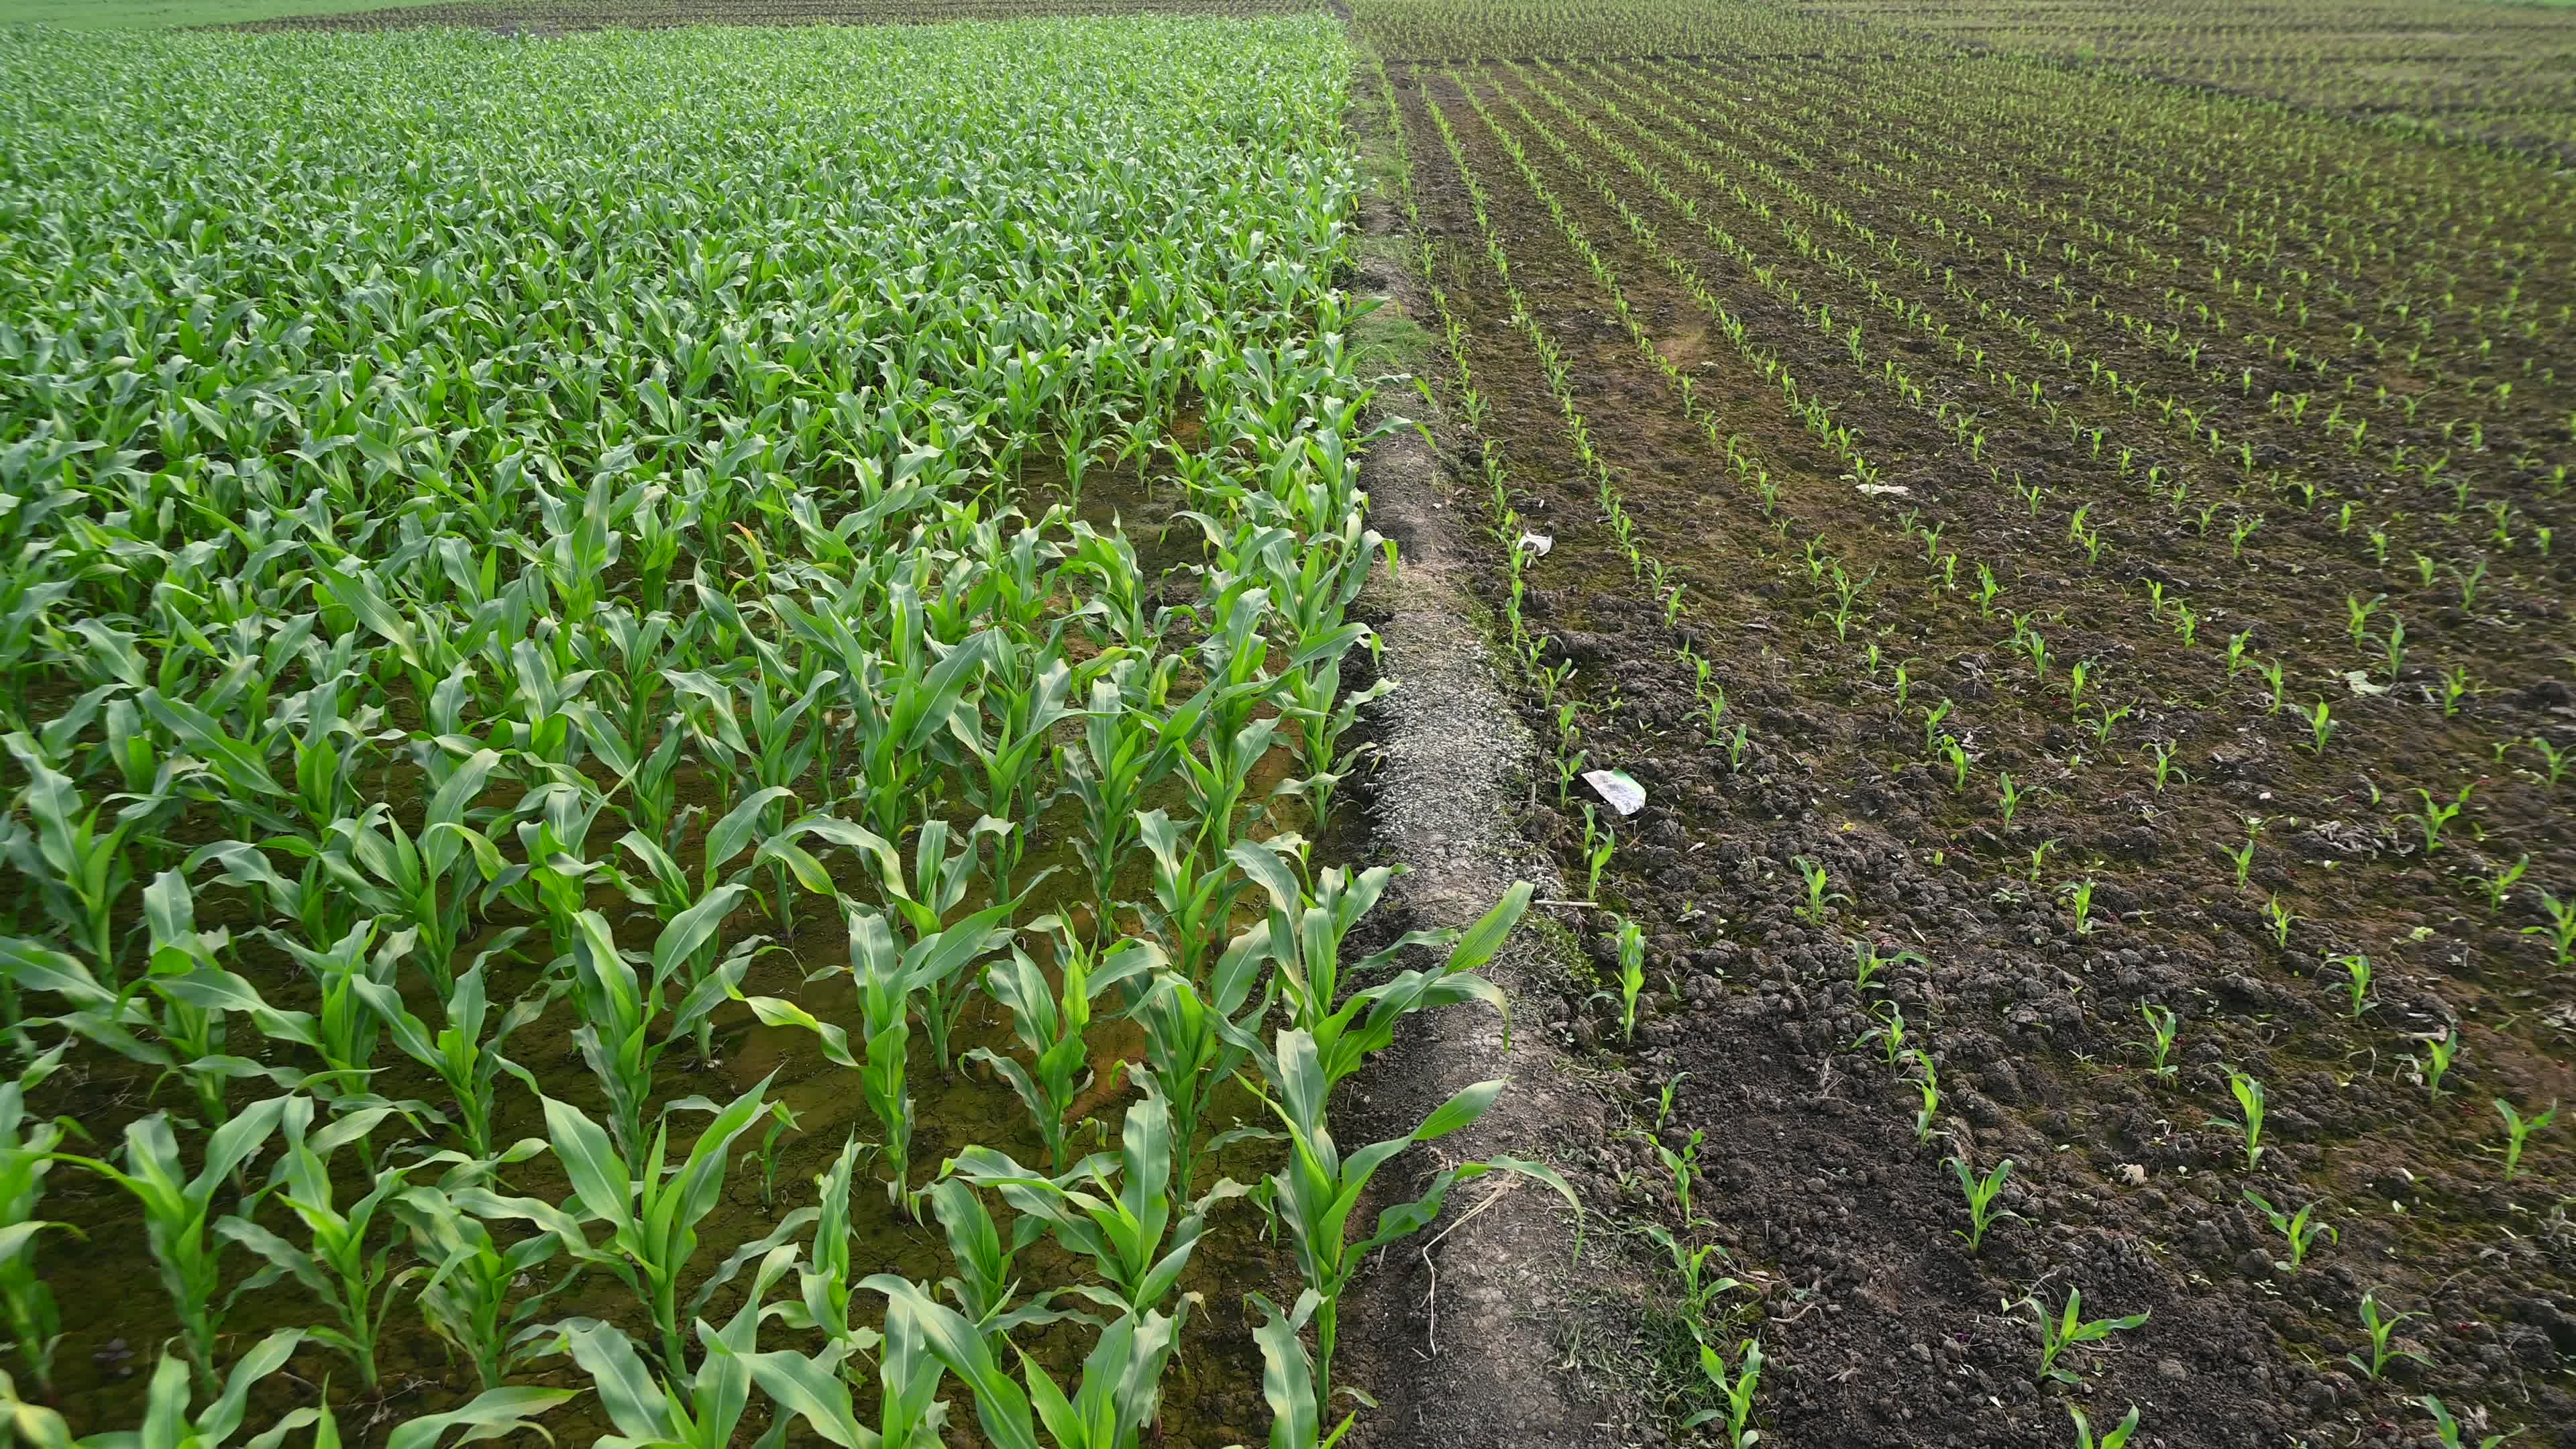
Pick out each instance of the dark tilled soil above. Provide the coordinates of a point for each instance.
(1880, 1325)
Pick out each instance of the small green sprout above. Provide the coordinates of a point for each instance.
(2357, 981)
(2517, 1129)
(1867, 963)
(2249, 1100)
(1820, 893)
(1980, 1193)
(1738, 1390)
(2297, 1227)
(2382, 1353)
(2066, 1328)
(1889, 1033)
(2446, 1430)
(2436, 1062)
(2561, 929)
(2159, 1045)
(1927, 1081)
(2499, 886)
(2079, 895)
(2113, 1438)
(2435, 816)
(2321, 727)
(1632, 976)
(2281, 918)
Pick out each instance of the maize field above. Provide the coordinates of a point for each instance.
(704, 729)
(603, 804)
(2054, 510)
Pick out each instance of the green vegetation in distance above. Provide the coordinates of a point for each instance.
(161, 14)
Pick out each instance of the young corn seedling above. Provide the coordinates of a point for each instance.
(2447, 1431)
(2499, 886)
(1632, 976)
(2298, 1228)
(2435, 1064)
(1957, 755)
(2277, 679)
(2561, 929)
(2381, 1328)
(2357, 973)
(1867, 963)
(1681, 1165)
(1980, 1194)
(1927, 1083)
(2039, 857)
(1738, 1389)
(2079, 896)
(2321, 727)
(1700, 1287)
(2164, 769)
(2518, 1130)
(2249, 1101)
(2066, 1328)
(1889, 1033)
(2160, 1038)
(2280, 918)
(2115, 1437)
(2553, 760)
(1820, 894)
(2435, 816)
(1598, 844)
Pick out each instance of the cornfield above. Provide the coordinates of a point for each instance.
(582, 699)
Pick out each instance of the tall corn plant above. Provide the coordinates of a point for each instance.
(1118, 1396)
(473, 1297)
(1288, 1376)
(890, 981)
(178, 1213)
(1051, 1024)
(1130, 1230)
(1318, 1189)
(426, 881)
(621, 1013)
(652, 1215)
(1304, 936)
(26, 1148)
(78, 861)
(467, 1062)
(333, 1262)
(815, 1389)
(699, 1409)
